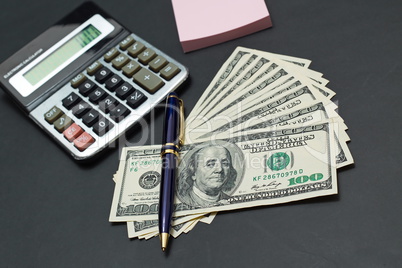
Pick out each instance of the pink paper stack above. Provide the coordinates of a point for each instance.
(203, 23)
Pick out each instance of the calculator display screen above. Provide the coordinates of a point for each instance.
(62, 54)
(54, 60)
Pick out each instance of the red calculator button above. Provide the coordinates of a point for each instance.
(83, 141)
(72, 132)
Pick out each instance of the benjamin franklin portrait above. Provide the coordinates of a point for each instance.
(207, 175)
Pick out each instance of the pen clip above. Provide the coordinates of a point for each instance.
(181, 130)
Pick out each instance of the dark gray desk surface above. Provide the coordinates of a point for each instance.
(55, 212)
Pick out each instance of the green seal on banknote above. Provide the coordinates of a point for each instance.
(278, 161)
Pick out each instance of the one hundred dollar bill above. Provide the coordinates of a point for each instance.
(261, 168)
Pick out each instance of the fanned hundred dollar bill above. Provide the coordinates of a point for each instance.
(265, 131)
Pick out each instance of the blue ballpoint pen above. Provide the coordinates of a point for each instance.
(171, 142)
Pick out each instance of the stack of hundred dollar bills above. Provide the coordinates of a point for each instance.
(264, 132)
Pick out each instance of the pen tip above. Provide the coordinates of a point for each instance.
(163, 249)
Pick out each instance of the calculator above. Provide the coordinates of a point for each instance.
(87, 79)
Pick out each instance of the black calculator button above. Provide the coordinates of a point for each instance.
(53, 114)
(76, 81)
(157, 63)
(135, 49)
(71, 100)
(91, 70)
(119, 113)
(63, 123)
(124, 90)
(97, 95)
(113, 82)
(126, 42)
(80, 109)
(103, 74)
(169, 71)
(87, 87)
(111, 54)
(90, 117)
(120, 61)
(136, 99)
(107, 104)
(148, 80)
(102, 126)
(146, 56)
(131, 68)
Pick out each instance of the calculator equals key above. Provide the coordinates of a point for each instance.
(114, 78)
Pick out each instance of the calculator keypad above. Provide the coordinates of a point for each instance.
(110, 90)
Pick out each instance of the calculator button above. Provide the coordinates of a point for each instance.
(53, 114)
(62, 123)
(126, 42)
(169, 71)
(76, 81)
(111, 54)
(97, 95)
(107, 104)
(71, 100)
(113, 82)
(91, 70)
(157, 63)
(148, 80)
(136, 99)
(80, 109)
(90, 117)
(102, 126)
(120, 61)
(87, 87)
(102, 75)
(135, 49)
(83, 141)
(131, 68)
(124, 90)
(146, 56)
(119, 113)
(72, 132)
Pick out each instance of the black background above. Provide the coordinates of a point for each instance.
(55, 211)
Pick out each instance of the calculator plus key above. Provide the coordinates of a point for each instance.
(102, 126)
(103, 74)
(136, 99)
(148, 80)
(71, 100)
(87, 87)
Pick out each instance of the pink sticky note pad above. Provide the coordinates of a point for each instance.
(202, 23)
